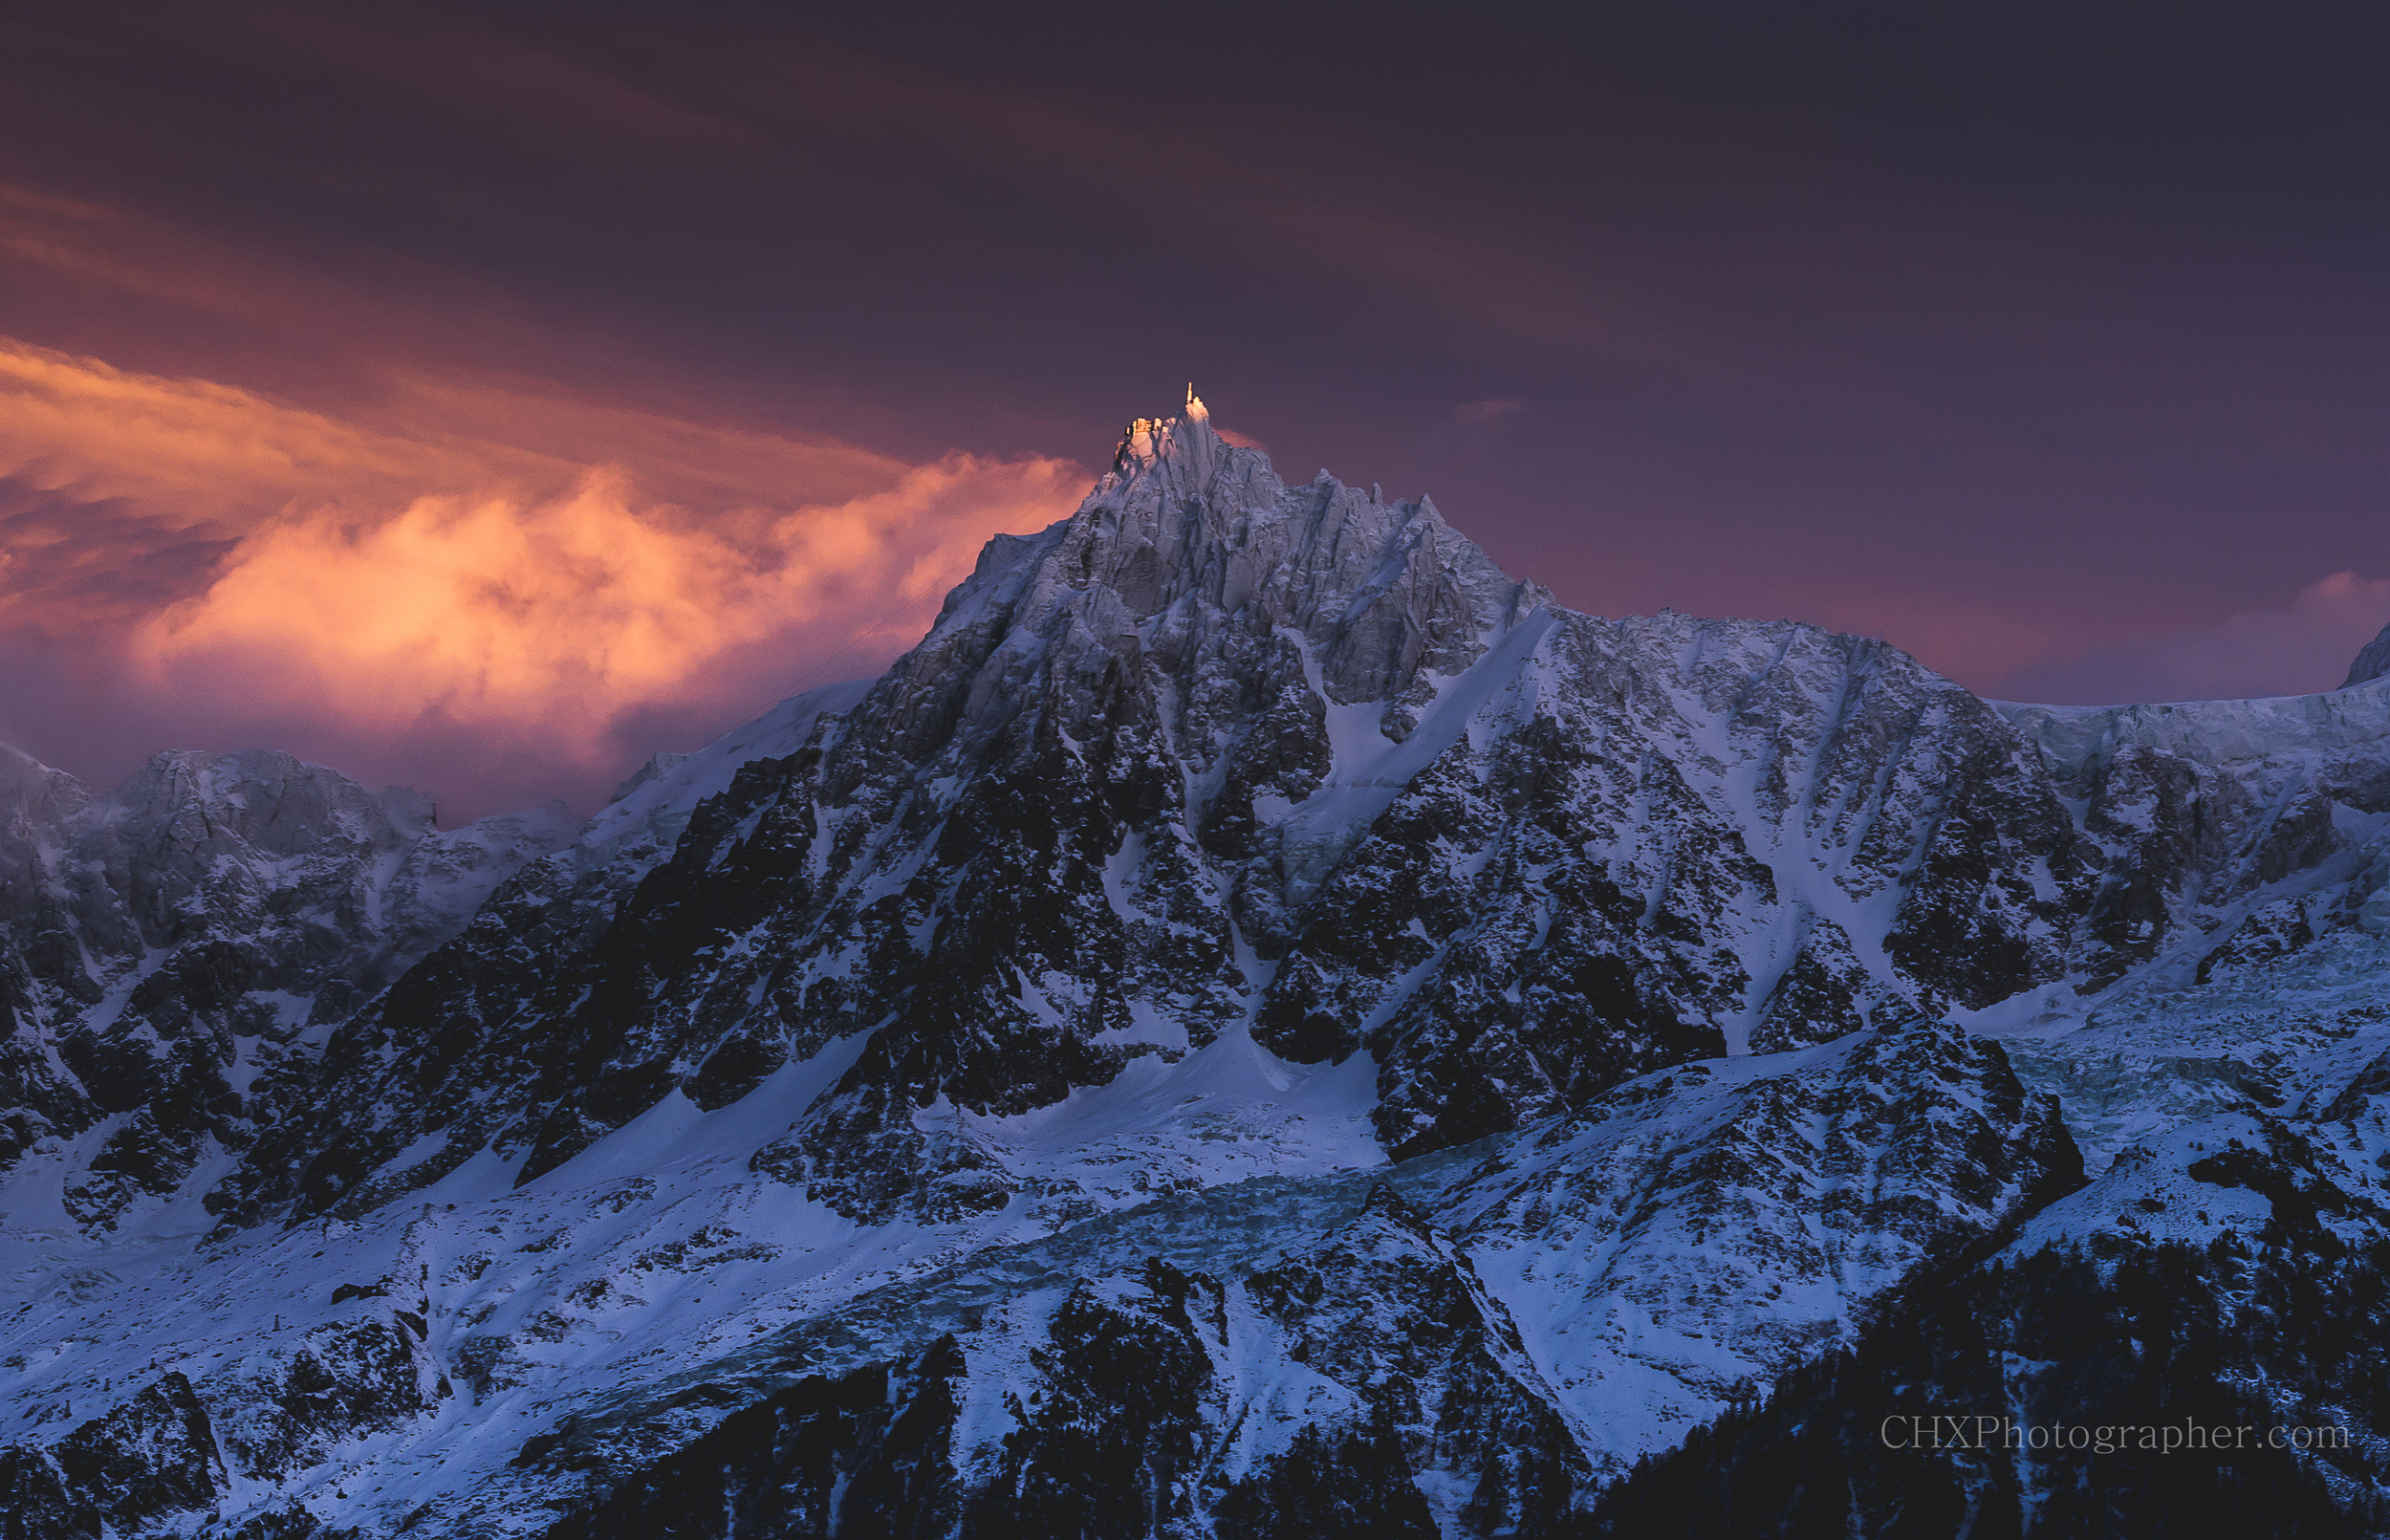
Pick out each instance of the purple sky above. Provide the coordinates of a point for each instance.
(484, 398)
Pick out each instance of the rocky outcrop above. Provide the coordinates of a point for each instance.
(149, 1466)
(1392, 1310)
(1704, 1231)
(867, 1453)
(1370, 1385)
(2371, 663)
(2204, 817)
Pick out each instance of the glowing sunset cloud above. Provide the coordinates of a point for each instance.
(542, 623)
(286, 565)
(191, 447)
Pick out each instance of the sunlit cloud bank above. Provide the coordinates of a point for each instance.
(544, 622)
(2297, 649)
(487, 614)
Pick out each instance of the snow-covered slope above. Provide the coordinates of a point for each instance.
(643, 821)
(1261, 1024)
(2226, 1270)
(1577, 1294)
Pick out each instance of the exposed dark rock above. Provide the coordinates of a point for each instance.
(2372, 661)
(2279, 929)
(339, 1383)
(1132, 1419)
(35, 1503)
(861, 1454)
(150, 1459)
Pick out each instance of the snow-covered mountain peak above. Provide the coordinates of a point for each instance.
(1188, 439)
(939, 1072)
(1188, 530)
(1188, 567)
(1216, 756)
(264, 799)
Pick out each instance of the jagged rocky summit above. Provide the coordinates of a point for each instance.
(1260, 1024)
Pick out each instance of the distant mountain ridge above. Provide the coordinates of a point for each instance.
(162, 946)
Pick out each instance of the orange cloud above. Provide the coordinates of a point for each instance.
(501, 565)
(196, 450)
(543, 623)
